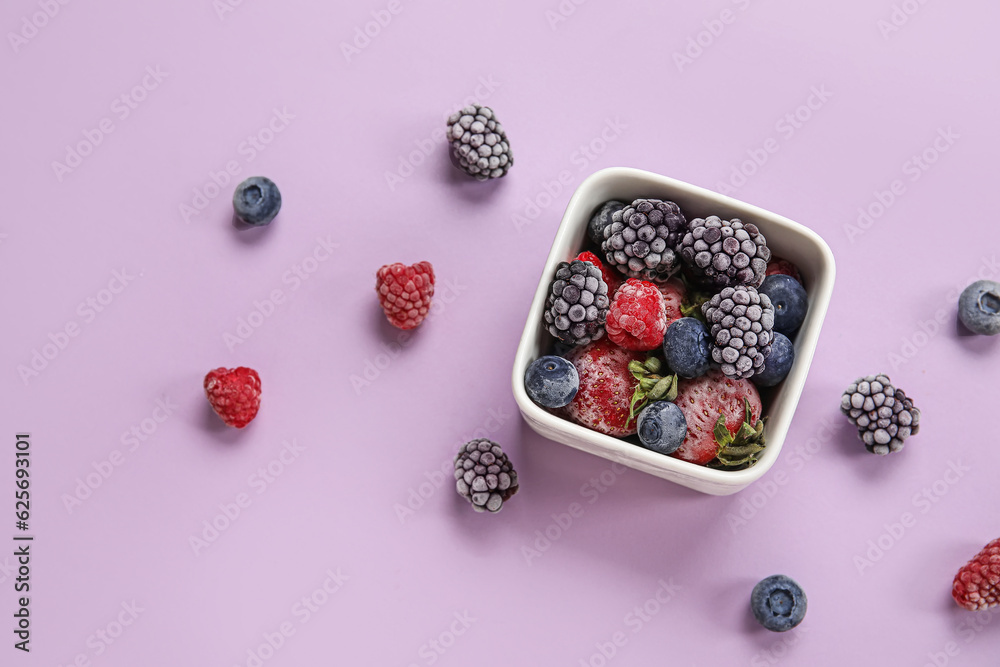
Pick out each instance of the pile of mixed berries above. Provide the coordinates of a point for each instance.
(666, 329)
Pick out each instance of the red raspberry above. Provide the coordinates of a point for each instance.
(783, 266)
(405, 292)
(234, 394)
(612, 278)
(977, 584)
(637, 320)
(674, 294)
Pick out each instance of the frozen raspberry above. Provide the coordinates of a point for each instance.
(783, 266)
(637, 320)
(234, 394)
(977, 584)
(405, 292)
(612, 278)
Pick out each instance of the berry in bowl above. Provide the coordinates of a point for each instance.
(659, 292)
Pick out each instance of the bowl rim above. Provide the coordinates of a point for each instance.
(622, 450)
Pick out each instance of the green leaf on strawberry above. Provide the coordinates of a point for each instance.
(652, 386)
(739, 451)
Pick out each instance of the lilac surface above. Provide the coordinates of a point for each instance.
(606, 77)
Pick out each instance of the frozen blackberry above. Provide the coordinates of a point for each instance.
(725, 253)
(885, 417)
(601, 219)
(478, 143)
(578, 303)
(484, 475)
(642, 237)
(741, 321)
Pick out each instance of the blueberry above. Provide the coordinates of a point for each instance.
(662, 427)
(778, 603)
(687, 347)
(778, 363)
(789, 300)
(979, 307)
(551, 381)
(601, 219)
(256, 201)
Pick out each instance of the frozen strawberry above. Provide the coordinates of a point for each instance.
(606, 387)
(637, 320)
(723, 418)
(674, 293)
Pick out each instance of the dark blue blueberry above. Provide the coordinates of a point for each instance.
(662, 427)
(778, 603)
(256, 201)
(778, 363)
(979, 307)
(789, 300)
(601, 219)
(551, 381)
(687, 347)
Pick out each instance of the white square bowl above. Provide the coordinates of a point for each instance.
(785, 238)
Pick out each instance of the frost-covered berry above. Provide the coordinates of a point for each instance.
(741, 321)
(642, 237)
(885, 417)
(478, 143)
(578, 302)
(979, 307)
(484, 475)
(725, 253)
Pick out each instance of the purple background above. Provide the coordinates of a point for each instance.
(603, 87)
